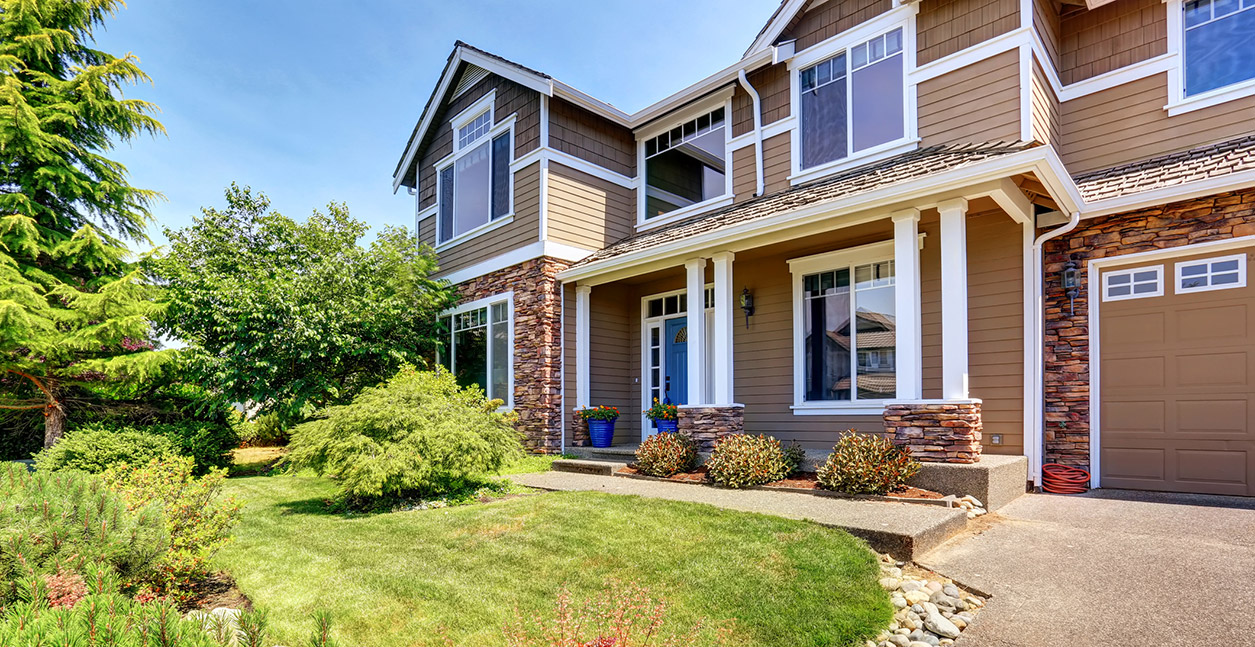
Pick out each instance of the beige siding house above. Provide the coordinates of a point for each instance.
(1024, 223)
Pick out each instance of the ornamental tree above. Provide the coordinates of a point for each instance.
(294, 316)
(73, 311)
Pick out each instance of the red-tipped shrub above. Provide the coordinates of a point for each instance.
(866, 464)
(741, 460)
(667, 454)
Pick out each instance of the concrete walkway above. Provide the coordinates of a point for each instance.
(1109, 568)
(906, 530)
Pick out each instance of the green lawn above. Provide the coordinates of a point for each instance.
(399, 579)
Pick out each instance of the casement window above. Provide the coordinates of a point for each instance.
(473, 184)
(1219, 273)
(477, 346)
(1219, 44)
(1137, 283)
(686, 165)
(853, 101)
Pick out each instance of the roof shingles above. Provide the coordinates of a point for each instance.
(1195, 164)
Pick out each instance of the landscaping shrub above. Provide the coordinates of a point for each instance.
(208, 443)
(866, 464)
(198, 521)
(419, 433)
(742, 460)
(55, 523)
(794, 457)
(264, 431)
(95, 447)
(667, 454)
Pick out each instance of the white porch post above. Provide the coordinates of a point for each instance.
(954, 376)
(723, 329)
(582, 333)
(906, 297)
(695, 270)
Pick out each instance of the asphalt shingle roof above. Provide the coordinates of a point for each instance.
(914, 165)
(1201, 163)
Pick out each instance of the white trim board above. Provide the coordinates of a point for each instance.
(552, 249)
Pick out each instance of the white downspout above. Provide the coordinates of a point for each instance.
(758, 128)
(1039, 333)
(562, 364)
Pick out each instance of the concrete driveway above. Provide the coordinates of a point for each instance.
(1109, 568)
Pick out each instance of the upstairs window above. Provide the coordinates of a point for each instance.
(474, 188)
(853, 101)
(1219, 44)
(686, 165)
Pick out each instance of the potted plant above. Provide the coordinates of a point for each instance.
(666, 416)
(600, 424)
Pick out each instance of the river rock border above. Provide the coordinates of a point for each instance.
(928, 611)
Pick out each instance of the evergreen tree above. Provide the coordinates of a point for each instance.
(73, 311)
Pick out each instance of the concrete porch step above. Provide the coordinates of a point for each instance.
(581, 466)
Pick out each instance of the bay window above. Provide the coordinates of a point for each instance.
(1219, 44)
(686, 165)
(477, 346)
(474, 185)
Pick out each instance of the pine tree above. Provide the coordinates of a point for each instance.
(73, 311)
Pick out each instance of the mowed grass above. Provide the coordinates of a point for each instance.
(411, 578)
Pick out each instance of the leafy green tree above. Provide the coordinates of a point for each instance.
(73, 312)
(295, 316)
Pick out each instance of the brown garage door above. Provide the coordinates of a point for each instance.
(1178, 375)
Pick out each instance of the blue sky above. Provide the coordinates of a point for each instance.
(312, 100)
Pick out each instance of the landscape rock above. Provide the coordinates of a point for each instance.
(916, 597)
(890, 583)
(941, 626)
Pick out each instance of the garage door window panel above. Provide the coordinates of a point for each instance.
(1138, 283)
(1219, 273)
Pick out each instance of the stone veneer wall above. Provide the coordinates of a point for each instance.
(1216, 217)
(936, 432)
(537, 344)
(708, 425)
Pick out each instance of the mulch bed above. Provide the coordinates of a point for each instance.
(217, 590)
(800, 481)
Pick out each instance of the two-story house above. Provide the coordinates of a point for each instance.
(1023, 225)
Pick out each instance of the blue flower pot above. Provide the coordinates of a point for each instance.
(601, 432)
(667, 426)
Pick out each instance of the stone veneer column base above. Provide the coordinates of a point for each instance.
(937, 431)
(709, 425)
(579, 430)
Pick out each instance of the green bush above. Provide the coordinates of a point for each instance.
(667, 454)
(50, 521)
(742, 460)
(209, 444)
(95, 447)
(794, 456)
(866, 464)
(418, 434)
(264, 431)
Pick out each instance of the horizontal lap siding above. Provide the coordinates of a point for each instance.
(1127, 123)
(950, 26)
(587, 211)
(1111, 37)
(1045, 108)
(523, 230)
(427, 230)
(977, 103)
(776, 161)
(592, 138)
(611, 357)
(744, 175)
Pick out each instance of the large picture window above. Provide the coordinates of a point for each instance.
(686, 165)
(1219, 44)
(474, 188)
(853, 101)
(477, 347)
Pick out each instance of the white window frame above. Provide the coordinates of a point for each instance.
(648, 323)
(485, 104)
(487, 303)
(1178, 103)
(900, 17)
(826, 262)
(1180, 268)
(1159, 282)
(722, 98)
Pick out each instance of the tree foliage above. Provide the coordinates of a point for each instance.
(73, 311)
(297, 315)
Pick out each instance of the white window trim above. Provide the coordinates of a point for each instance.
(1178, 103)
(507, 125)
(1159, 280)
(900, 17)
(1180, 266)
(486, 103)
(488, 302)
(799, 268)
(647, 323)
(723, 98)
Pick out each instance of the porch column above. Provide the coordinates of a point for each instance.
(908, 342)
(723, 330)
(695, 270)
(582, 333)
(954, 374)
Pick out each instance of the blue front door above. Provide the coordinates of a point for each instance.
(675, 345)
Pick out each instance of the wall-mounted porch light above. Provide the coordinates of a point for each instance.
(1071, 283)
(747, 305)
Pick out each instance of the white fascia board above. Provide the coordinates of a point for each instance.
(1032, 160)
(777, 25)
(442, 87)
(1155, 197)
(591, 103)
(701, 88)
(560, 251)
(526, 79)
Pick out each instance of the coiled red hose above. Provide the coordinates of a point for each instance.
(1064, 479)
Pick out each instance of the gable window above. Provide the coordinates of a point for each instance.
(853, 101)
(1211, 274)
(1219, 46)
(474, 184)
(686, 165)
(477, 346)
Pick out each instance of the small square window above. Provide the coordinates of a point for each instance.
(1211, 274)
(1137, 283)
